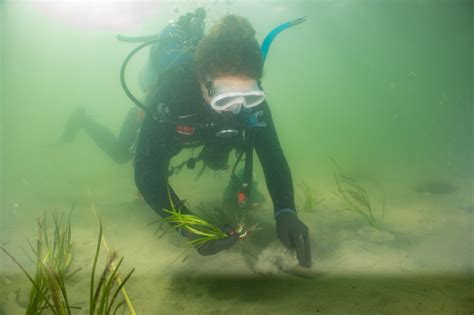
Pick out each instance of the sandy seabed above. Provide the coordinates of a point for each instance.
(418, 262)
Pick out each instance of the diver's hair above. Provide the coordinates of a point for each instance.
(230, 48)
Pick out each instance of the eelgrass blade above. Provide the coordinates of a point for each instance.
(54, 291)
(38, 294)
(308, 201)
(188, 250)
(60, 282)
(43, 296)
(199, 241)
(198, 232)
(43, 227)
(194, 225)
(64, 293)
(361, 196)
(70, 275)
(109, 283)
(118, 307)
(368, 219)
(100, 285)
(118, 290)
(32, 249)
(92, 301)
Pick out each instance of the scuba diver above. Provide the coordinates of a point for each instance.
(215, 99)
(203, 92)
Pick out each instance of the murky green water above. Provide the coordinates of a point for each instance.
(384, 88)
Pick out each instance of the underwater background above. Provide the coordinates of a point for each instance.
(379, 91)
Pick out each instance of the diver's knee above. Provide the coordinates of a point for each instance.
(122, 157)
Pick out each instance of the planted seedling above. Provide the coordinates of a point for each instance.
(308, 201)
(356, 198)
(52, 258)
(102, 297)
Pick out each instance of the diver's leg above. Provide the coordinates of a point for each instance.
(73, 125)
(128, 134)
(102, 136)
(230, 198)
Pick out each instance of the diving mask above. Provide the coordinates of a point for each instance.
(229, 94)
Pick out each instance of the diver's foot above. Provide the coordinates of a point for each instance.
(73, 125)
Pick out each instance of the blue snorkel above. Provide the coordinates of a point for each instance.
(277, 30)
(253, 120)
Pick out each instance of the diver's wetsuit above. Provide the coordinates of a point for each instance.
(120, 148)
(162, 136)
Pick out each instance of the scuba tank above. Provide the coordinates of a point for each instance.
(172, 46)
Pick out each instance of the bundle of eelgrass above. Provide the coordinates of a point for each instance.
(202, 231)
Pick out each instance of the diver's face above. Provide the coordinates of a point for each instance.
(228, 93)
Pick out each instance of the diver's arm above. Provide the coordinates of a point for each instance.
(290, 230)
(274, 164)
(153, 153)
(154, 150)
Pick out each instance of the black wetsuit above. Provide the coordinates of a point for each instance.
(179, 118)
(120, 149)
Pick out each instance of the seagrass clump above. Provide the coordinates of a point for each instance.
(52, 256)
(356, 198)
(307, 200)
(103, 296)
